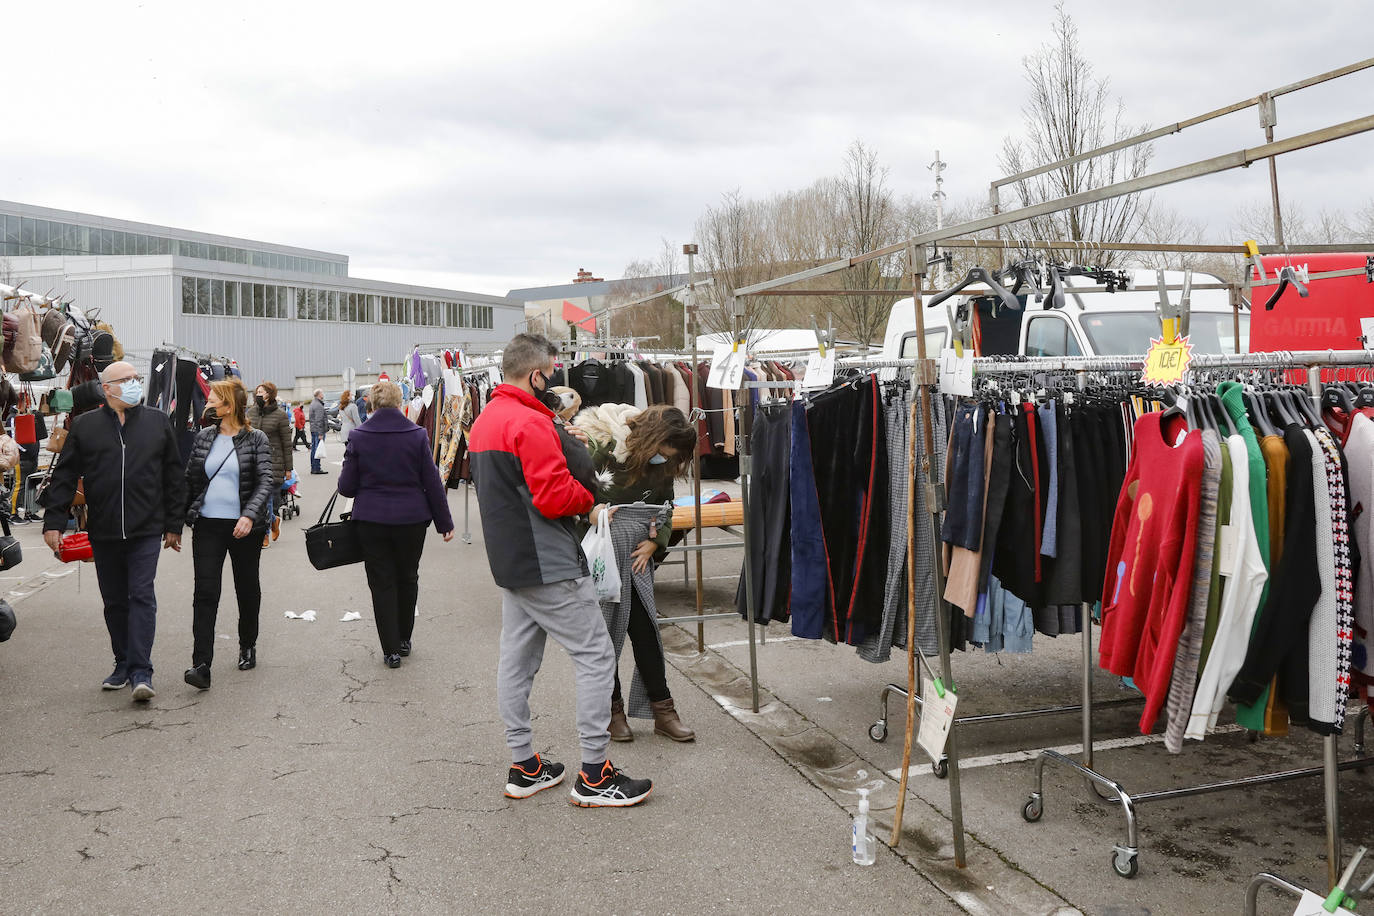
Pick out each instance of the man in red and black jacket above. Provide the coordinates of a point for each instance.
(529, 503)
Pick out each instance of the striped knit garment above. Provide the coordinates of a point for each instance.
(1345, 587)
(878, 646)
(1184, 682)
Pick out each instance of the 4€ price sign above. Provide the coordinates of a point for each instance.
(1167, 363)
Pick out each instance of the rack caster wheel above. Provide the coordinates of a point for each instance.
(878, 732)
(940, 769)
(1033, 809)
(1125, 864)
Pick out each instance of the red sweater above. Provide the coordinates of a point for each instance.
(1150, 560)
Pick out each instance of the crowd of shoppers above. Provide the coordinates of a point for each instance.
(537, 495)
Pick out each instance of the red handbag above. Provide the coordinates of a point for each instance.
(75, 547)
(25, 429)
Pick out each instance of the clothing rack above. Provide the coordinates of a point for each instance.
(178, 348)
(1125, 859)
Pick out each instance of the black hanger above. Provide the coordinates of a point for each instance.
(1365, 397)
(1225, 424)
(1288, 276)
(1258, 415)
(979, 275)
(1308, 410)
(1337, 396)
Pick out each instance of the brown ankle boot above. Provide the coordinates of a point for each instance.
(620, 728)
(667, 723)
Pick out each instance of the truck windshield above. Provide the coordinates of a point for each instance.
(1130, 333)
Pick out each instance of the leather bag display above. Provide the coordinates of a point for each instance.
(11, 553)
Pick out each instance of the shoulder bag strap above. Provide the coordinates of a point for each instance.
(232, 450)
(329, 508)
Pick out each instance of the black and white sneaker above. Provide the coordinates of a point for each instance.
(614, 790)
(118, 679)
(522, 784)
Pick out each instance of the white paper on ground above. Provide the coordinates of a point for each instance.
(305, 615)
(350, 616)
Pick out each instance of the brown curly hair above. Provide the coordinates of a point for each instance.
(654, 431)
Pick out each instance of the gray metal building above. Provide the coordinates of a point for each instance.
(281, 312)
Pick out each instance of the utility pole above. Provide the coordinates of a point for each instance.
(939, 197)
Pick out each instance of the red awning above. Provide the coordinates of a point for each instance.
(580, 317)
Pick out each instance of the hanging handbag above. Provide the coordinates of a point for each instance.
(46, 369)
(330, 544)
(60, 400)
(11, 554)
(57, 440)
(75, 547)
(7, 620)
(25, 430)
(9, 453)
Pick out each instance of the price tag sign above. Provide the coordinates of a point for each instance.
(956, 373)
(820, 371)
(1312, 905)
(1167, 363)
(727, 369)
(937, 716)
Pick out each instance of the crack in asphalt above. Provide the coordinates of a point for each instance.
(143, 726)
(396, 817)
(90, 812)
(85, 854)
(457, 763)
(385, 858)
(350, 693)
(287, 773)
(30, 774)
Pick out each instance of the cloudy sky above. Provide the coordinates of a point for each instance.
(490, 146)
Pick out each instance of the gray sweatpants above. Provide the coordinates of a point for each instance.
(568, 611)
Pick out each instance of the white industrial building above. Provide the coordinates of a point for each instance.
(281, 312)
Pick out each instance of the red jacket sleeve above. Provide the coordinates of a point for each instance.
(556, 494)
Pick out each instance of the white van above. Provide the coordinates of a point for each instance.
(1090, 324)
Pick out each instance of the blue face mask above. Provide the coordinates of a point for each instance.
(131, 392)
(658, 459)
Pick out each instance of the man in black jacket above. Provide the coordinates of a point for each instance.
(127, 456)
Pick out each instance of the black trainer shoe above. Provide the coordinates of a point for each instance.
(614, 790)
(392, 661)
(405, 647)
(198, 676)
(520, 784)
(248, 659)
(118, 679)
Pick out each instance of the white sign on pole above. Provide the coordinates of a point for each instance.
(348, 376)
(937, 715)
(727, 368)
(820, 371)
(956, 373)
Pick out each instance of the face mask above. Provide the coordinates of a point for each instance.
(551, 400)
(261, 402)
(131, 392)
(658, 459)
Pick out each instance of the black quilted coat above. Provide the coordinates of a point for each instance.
(255, 474)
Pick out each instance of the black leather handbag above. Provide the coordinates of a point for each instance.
(330, 544)
(11, 554)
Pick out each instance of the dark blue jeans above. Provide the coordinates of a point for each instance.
(315, 462)
(125, 571)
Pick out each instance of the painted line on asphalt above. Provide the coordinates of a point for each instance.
(992, 760)
(744, 642)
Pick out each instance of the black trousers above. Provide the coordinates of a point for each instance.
(391, 556)
(211, 539)
(300, 437)
(648, 653)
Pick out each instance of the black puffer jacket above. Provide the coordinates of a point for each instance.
(255, 474)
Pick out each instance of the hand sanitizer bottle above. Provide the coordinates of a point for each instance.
(861, 840)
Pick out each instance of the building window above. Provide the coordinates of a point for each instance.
(188, 295)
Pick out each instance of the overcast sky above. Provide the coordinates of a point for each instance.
(490, 146)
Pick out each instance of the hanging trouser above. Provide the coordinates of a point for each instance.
(769, 517)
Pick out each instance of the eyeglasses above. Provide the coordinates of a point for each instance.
(127, 378)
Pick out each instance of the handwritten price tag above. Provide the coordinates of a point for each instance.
(956, 373)
(937, 715)
(820, 371)
(727, 369)
(1167, 363)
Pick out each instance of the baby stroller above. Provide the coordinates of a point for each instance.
(287, 506)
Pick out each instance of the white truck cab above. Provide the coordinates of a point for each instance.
(1090, 324)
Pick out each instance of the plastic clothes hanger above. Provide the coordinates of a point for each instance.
(979, 275)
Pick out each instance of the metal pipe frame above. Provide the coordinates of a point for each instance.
(1265, 879)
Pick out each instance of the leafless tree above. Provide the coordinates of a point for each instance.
(661, 317)
(868, 218)
(1071, 111)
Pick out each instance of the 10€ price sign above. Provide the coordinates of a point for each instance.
(1167, 363)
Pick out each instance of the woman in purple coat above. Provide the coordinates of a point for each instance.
(389, 471)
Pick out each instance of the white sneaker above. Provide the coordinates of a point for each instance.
(143, 692)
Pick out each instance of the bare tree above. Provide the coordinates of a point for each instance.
(1070, 111)
(736, 253)
(660, 317)
(868, 218)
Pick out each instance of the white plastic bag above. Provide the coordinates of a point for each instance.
(600, 553)
(320, 453)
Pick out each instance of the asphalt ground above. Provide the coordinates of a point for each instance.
(325, 782)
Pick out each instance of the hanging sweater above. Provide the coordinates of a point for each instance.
(1150, 560)
(1245, 578)
(1359, 454)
